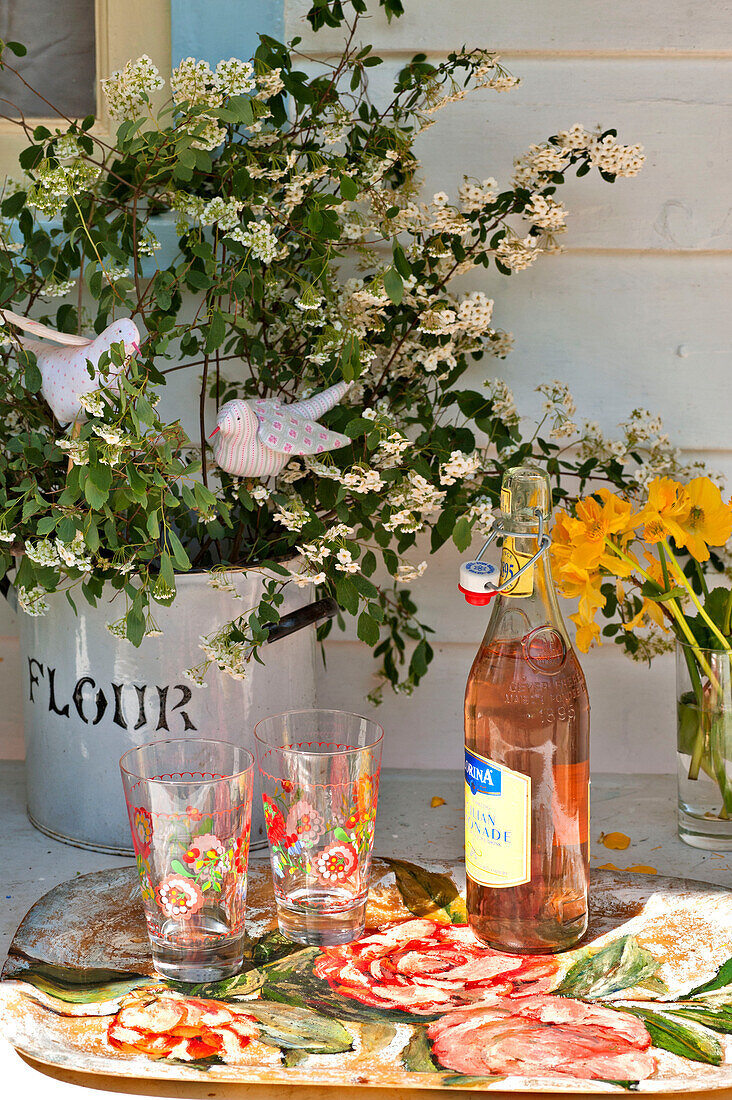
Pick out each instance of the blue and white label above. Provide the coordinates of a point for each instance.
(480, 776)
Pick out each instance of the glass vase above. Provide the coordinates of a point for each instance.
(704, 745)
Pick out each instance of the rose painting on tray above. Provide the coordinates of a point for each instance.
(416, 1001)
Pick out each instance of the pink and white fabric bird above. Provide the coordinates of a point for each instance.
(257, 438)
(64, 368)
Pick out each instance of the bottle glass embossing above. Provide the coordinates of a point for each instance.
(527, 742)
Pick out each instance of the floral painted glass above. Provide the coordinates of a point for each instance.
(190, 807)
(320, 784)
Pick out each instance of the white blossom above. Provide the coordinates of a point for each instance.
(407, 572)
(474, 196)
(474, 313)
(503, 402)
(293, 518)
(459, 466)
(57, 288)
(129, 88)
(261, 493)
(270, 84)
(345, 562)
(360, 480)
(517, 254)
(32, 601)
(546, 212)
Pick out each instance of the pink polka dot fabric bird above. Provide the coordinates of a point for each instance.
(257, 438)
(62, 360)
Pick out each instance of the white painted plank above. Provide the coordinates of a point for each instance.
(632, 708)
(679, 111)
(627, 25)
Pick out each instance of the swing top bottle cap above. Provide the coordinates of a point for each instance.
(524, 489)
(473, 578)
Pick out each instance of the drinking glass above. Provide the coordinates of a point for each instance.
(190, 807)
(320, 784)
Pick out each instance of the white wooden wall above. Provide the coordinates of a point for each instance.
(635, 313)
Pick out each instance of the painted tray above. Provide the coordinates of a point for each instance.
(645, 1004)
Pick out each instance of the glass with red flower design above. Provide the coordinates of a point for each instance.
(190, 807)
(320, 782)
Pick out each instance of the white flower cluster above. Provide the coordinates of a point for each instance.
(459, 466)
(222, 582)
(362, 480)
(73, 555)
(260, 493)
(390, 451)
(230, 657)
(561, 406)
(474, 196)
(91, 402)
(345, 562)
(261, 239)
(481, 515)
(517, 253)
(503, 402)
(76, 449)
(546, 212)
(195, 210)
(115, 272)
(148, 243)
(127, 89)
(541, 161)
(407, 572)
(269, 84)
(54, 186)
(66, 147)
(57, 288)
(32, 601)
(474, 313)
(294, 517)
(412, 503)
(302, 580)
(5, 534)
(195, 83)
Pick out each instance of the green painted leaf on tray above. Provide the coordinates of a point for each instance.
(717, 1019)
(622, 964)
(376, 1035)
(90, 993)
(670, 1034)
(460, 1081)
(241, 985)
(293, 1028)
(271, 947)
(722, 978)
(428, 893)
(417, 1054)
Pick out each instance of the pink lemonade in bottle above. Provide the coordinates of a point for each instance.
(527, 718)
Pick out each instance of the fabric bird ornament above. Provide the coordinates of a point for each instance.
(257, 438)
(63, 367)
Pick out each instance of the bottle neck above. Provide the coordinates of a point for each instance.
(533, 603)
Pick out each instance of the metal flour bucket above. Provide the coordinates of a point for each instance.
(88, 697)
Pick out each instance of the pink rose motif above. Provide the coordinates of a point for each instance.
(287, 447)
(543, 1036)
(336, 863)
(322, 435)
(167, 1025)
(304, 821)
(277, 424)
(271, 438)
(422, 967)
(179, 897)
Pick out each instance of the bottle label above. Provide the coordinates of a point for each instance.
(505, 500)
(511, 561)
(497, 823)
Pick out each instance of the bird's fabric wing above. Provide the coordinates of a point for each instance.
(46, 333)
(291, 435)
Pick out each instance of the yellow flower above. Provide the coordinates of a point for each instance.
(587, 633)
(709, 521)
(650, 608)
(597, 521)
(667, 507)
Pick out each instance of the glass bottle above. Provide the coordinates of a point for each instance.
(526, 751)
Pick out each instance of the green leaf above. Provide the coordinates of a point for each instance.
(428, 893)
(181, 869)
(621, 964)
(33, 379)
(180, 557)
(668, 1034)
(135, 624)
(77, 993)
(417, 1054)
(291, 1027)
(716, 1019)
(462, 534)
(722, 978)
(216, 331)
(342, 835)
(393, 285)
(368, 629)
(349, 188)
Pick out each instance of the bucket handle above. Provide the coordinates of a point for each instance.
(326, 608)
